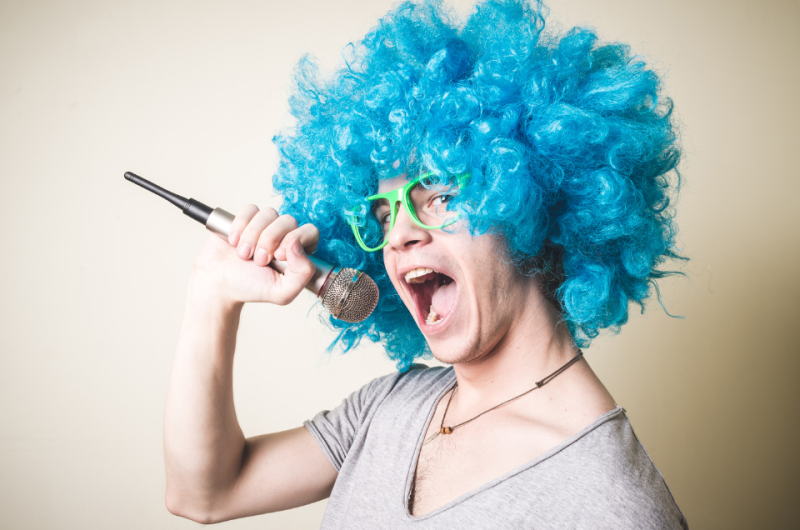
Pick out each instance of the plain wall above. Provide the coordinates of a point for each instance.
(189, 94)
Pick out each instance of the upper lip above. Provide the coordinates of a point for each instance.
(402, 271)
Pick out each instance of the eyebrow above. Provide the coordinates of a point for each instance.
(377, 204)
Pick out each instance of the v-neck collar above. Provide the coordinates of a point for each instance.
(611, 414)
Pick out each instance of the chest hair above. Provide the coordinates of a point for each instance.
(438, 461)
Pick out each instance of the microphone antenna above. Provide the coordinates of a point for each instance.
(349, 294)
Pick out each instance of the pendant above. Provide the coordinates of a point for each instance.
(442, 430)
(430, 438)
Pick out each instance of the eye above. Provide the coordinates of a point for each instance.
(442, 199)
(383, 215)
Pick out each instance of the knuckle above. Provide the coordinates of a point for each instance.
(268, 242)
(243, 218)
(248, 210)
(249, 234)
(282, 299)
(288, 220)
(268, 215)
(312, 230)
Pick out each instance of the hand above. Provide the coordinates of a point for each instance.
(237, 271)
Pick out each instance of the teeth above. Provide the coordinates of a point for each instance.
(433, 317)
(411, 276)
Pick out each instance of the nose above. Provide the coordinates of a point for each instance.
(406, 233)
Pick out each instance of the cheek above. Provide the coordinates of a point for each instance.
(391, 269)
(499, 291)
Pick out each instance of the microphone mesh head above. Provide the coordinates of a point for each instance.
(351, 296)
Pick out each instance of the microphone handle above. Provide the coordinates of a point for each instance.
(219, 221)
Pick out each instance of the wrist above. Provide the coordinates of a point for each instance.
(205, 293)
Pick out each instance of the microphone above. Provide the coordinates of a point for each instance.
(349, 294)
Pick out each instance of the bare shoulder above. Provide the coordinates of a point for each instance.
(580, 399)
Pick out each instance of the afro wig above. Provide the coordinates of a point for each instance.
(571, 149)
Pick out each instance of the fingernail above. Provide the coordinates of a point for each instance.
(233, 238)
(244, 251)
(297, 249)
(261, 257)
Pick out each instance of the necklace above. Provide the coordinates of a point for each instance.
(539, 384)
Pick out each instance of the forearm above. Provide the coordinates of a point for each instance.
(203, 442)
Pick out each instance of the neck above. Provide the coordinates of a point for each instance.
(535, 344)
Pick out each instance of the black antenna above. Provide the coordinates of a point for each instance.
(194, 209)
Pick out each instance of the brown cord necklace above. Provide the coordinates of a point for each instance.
(449, 430)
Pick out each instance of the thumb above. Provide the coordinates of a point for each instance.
(298, 273)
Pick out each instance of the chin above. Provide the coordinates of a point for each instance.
(446, 355)
(450, 357)
(456, 349)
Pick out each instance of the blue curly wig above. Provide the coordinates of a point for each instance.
(569, 144)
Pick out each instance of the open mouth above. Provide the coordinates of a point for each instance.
(433, 293)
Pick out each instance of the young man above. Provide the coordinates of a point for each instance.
(507, 192)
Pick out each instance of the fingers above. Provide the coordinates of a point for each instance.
(298, 273)
(269, 236)
(307, 235)
(261, 222)
(240, 222)
(284, 240)
(263, 235)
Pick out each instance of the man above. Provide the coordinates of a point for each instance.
(507, 192)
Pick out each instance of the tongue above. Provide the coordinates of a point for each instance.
(443, 299)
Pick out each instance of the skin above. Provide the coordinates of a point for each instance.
(501, 335)
(213, 473)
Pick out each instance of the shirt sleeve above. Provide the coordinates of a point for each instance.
(334, 430)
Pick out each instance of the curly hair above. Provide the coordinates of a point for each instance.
(571, 149)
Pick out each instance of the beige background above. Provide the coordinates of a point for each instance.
(189, 94)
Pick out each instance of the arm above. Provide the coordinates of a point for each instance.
(213, 472)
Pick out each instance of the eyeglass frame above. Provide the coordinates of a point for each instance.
(403, 196)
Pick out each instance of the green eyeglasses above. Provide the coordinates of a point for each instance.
(373, 220)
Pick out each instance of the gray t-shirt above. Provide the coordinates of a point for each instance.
(599, 478)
